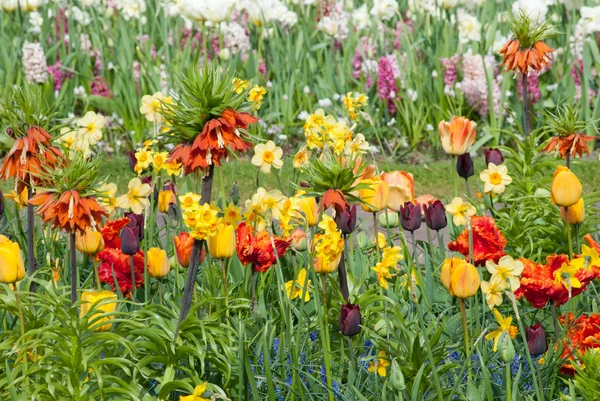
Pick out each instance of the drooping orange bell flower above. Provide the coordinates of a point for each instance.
(524, 60)
(28, 156)
(219, 136)
(574, 144)
(68, 210)
(488, 241)
(258, 250)
(539, 283)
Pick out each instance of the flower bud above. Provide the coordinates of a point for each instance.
(389, 219)
(299, 242)
(464, 166)
(130, 243)
(350, 319)
(566, 188)
(136, 223)
(362, 240)
(505, 347)
(173, 216)
(90, 242)
(493, 156)
(410, 216)
(12, 268)
(158, 263)
(536, 340)
(100, 302)
(397, 377)
(435, 216)
(346, 221)
(575, 213)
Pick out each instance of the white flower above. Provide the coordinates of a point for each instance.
(448, 4)
(288, 18)
(361, 18)
(590, 19)
(9, 5)
(36, 21)
(429, 128)
(90, 127)
(384, 9)
(303, 115)
(434, 74)
(132, 9)
(469, 27)
(325, 102)
(306, 90)
(472, 4)
(535, 9)
(412, 94)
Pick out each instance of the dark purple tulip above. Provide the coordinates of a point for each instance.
(435, 215)
(130, 243)
(410, 216)
(536, 340)
(493, 156)
(350, 319)
(1, 204)
(148, 180)
(346, 221)
(132, 161)
(136, 223)
(464, 166)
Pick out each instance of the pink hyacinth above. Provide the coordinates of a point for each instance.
(475, 86)
(100, 88)
(59, 75)
(449, 68)
(387, 87)
(533, 87)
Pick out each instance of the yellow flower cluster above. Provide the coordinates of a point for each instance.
(201, 220)
(505, 277)
(354, 103)
(324, 130)
(390, 257)
(255, 96)
(266, 204)
(328, 246)
(147, 156)
(239, 85)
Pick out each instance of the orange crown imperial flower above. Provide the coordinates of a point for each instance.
(517, 58)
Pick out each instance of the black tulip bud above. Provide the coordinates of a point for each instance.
(410, 216)
(350, 319)
(435, 215)
(346, 220)
(464, 165)
(132, 161)
(493, 156)
(130, 244)
(136, 223)
(536, 340)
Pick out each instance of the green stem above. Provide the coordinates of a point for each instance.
(160, 292)
(376, 229)
(568, 233)
(454, 176)
(422, 325)
(577, 244)
(430, 240)
(463, 317)
(325, 338)
(225, 291)
(508, 382)
(133, 287)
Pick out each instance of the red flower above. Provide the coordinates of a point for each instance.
(258, 250)
(488, 241)
(112, 259)
(538, 285)
(219, 136)
(583, 334)
(111, 230)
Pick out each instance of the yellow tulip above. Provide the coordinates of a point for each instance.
(222, 244)
(89, 298)
(375, 194)
(325, 265)
(306, 208)
(158, 263)
(575, 213)
(165, 198)
(460, 278)
(12, 268)
(90, 242)
(566, 188)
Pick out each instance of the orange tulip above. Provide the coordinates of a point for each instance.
(460, 278)
(183, 248)
(458, 135)
(375, 194)
(566, 188)
(402, 188)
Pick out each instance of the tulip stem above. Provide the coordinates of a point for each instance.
(454, 176)
(343, 274)
(463, 317)
(441, 244)
(376, 229)
(73, 261)
(468, 189)
(225, 292)
(133, 289)
(508, 381)
(471, 254)
(570, 244)
(577, 244)
(97, 277)
(430, 240)
(414, 244)
(160, 292)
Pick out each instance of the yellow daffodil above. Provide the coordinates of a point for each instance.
(301, 158)
(255, 96)
(495, 178)
(507, 270)
(136, 198)
(381, 241)
(589, 257)
(158, 160)
(108, 200)
(352, 103)
(173, 168)
(460, 211)
(566, 276)
(90, 127)
(380, 364)
(202, 221)
(144, 159)
(295, 288)
(232, 214)
(239, 85)
(493, 290)
(189, 201)
(267, 155)
(152, 105)
(196, 395)
(503, 325)
(328, 224)
(19, 199)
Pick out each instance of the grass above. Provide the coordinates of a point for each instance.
(433, 178)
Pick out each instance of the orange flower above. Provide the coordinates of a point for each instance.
(488, 241)
(219, 136)
(575, 144)
(583, 334)
(458, 135)
(183, 248)
(538, 284)
(335, 198)
(69, 212)
(28, 157)
(116, 265)
(111, 230)
(593, 244)
(258, 250)
(525, 60)
(402, 188)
